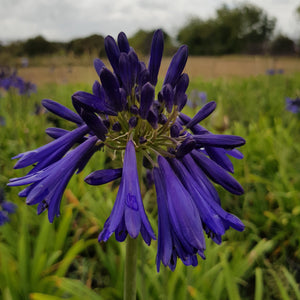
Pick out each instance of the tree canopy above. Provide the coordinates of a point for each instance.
(243, 29)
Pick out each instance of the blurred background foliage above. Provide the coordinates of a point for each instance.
(63, 260)
(243, 29)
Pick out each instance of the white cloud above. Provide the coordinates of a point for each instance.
(67, 19)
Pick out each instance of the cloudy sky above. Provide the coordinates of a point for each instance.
(62, 20)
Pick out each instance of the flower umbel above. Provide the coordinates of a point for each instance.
(124, 116)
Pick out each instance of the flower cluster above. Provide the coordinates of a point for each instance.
(6, 208)
(293, 105)
(10, 80)
(124, 116)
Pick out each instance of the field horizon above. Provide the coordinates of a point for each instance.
(64, 70)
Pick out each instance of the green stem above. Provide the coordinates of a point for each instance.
(131, 249)
(130, 269)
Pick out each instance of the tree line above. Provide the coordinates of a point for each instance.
(243, 29)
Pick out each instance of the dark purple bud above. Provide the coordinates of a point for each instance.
(219, 156)
(204, 112)
(98, 65)
(98, 90)
(112, 52)
(103, 176)
(185, 147)
(142, 140)
(106, 123)
(182, 102)
(95, 124)
(123, 97)
(152, 117)
(184, 118)
(157, 106)
(217, 173)
(134, 109)
(134, 63)
(160, 97)
(111, 86)
(176, 66)
(56, 132)
(147, 98)
(116, 127)
(123, 42)
(125, 72)
(133, 122)
(174, 131)
(61, 111)
(167, 94)
(162, 119)
(219, 140)
(144, 77)
(90, 102)
(157, 48)
(180, 89)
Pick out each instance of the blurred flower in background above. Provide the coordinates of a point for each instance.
(293, 105)
(197, 98)
(10, 80)
(6, 208)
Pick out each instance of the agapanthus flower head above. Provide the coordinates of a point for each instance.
(147, 133)
(6, 208)
(293, 105)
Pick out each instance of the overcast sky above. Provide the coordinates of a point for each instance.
(63, 20)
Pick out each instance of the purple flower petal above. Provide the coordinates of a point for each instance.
(65, 142)
(147, 98)
(180, 89)
(111, 87)
(61, 111)
(112, 52)
(167, 95)
(103, 176)
(219, 140)
(91, 103)
(157, 48)
(98, 65)
(128, 204)
(176, 66)
(123, 42)
(204, 112)
(217, 173)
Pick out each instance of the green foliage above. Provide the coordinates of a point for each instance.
(282, 45)
(242, 29)
(141, 42)
(93, 44)
(38, 46)
(63, 260)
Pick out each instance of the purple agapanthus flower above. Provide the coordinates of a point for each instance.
(10, 80)
(148, 133)
(6, 208)
(293, 105)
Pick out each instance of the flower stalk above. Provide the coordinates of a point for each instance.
(130, 269)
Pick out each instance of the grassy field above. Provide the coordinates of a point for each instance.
(70, 70)
(63, 260)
